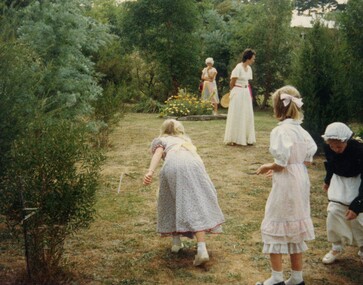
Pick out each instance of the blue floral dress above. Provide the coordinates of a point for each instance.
(187, 201)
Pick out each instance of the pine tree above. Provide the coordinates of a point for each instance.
(164, 33)
(320, 78)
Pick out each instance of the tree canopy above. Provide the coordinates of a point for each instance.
(164, 32)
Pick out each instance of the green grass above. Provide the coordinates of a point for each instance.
(122, 246)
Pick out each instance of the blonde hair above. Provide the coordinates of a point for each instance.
(283, 112)
(171, 127)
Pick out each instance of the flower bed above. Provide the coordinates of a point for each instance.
(185, 104)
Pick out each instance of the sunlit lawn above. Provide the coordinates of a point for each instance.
(122, 247)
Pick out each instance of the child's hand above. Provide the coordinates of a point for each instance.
(148, 178)
(264, 168)
(325, 187)
(269, 173)
(350, 215)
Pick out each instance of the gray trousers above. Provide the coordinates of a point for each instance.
(343, 231)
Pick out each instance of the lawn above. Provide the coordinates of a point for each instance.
(122, 246)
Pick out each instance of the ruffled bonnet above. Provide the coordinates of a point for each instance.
(337, 131)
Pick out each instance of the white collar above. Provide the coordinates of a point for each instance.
(290, 121)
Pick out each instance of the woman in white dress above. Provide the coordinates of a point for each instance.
(287, 222)
(209, 91)
(240, 127)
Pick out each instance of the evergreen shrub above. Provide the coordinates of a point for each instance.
(49, 189)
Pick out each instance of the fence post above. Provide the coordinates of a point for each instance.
(25, 232)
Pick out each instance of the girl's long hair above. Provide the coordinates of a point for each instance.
(283, 112)
(171, 127)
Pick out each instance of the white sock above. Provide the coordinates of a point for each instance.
(295, 278)
(337, 247)
(176, 240)
(361, 251)
(202, 248)
(276, 277)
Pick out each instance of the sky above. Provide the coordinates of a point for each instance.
(307, 21)
(301, 20)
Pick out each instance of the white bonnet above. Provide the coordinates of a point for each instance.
(209, 60)
(337, 131)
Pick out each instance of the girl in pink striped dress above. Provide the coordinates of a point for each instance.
(287, 223)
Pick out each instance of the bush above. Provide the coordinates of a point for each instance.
(185, 104)
(109, 107)
(359, 134)
(53, 174)
(48, 171)
(147, 105)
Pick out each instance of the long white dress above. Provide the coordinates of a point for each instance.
(287, 223)
(187, 201)
(240, 126)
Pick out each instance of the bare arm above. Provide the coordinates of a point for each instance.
(153, 164)
(265, 168)
(232, 82)
(325, 187)
(209, 75)
(213, 77)
(350, 215)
